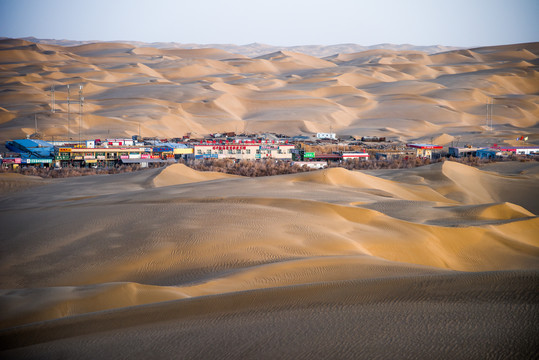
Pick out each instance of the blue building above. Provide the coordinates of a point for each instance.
(32, 151)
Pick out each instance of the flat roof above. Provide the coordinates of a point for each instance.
(425, 146)
(514, 148)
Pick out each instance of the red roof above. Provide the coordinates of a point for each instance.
(425, 146)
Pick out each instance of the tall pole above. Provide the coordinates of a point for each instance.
(491, 113)
(68, 112)
(52, 98)
(35, 120)
(81, 100)
(488, 112)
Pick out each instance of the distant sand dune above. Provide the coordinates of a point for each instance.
(455, 86)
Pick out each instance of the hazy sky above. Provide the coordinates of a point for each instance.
(465, 23)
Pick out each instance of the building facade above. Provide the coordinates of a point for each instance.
(331, 136)
(243, 151)
(424, 150)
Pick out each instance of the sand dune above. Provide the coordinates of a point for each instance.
(365, 83)
(181, 174)
(440, 260)
(14, 182)
(164, 234)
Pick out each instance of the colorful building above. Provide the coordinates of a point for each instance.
(243, 151)
(424, 150)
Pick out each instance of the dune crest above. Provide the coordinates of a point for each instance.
(180, 174)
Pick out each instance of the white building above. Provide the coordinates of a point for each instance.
(332, 136)
(355, 155)
(519, 150)
(118, 142)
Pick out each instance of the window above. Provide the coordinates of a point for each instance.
(199, 152)
(248, 151)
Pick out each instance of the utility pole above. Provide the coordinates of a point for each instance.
(52, 98)
(81, 100)
(68, 112)
(35, 120)
(490, 111)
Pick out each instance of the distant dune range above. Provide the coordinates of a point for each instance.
(403, 94)
(441, 260)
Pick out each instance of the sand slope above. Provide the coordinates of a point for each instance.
(175, 256)
(401, 94)
(180, 174)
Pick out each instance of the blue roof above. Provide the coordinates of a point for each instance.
(33, 143)
(34, 147)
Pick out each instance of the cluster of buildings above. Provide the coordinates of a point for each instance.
(114, 152)
(494, 152)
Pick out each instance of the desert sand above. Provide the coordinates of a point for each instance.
(440, 261)
(400, 94)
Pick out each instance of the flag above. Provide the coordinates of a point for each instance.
(526, 138)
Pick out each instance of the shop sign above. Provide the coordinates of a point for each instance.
(229, 147)
(308, 155)
(38, 161)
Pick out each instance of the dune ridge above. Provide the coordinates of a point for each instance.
(153, 242)
(168, 252)
(477, 305)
